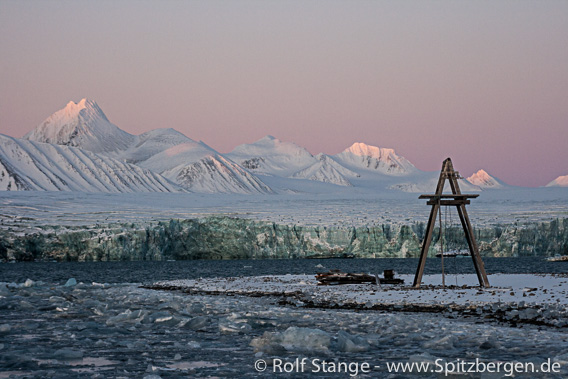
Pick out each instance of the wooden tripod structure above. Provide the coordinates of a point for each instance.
(458, 200)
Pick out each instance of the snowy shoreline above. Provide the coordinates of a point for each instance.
(540, 299)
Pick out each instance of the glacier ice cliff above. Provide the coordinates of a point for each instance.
(240, 238)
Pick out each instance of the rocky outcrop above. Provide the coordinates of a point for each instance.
(233, 238)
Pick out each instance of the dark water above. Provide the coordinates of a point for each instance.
(151, 271)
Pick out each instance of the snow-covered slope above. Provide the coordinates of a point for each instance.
(561, 181)
(83, 125)
(29, 165)
(198, 168)
(216, 174)
(380, 159)
(269, 155)
(184, 153)
(483, 180)
(427, 182)
(155, 141)
(326, 170)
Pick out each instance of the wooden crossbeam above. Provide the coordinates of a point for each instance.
(448, 202)
(459, 200)
(452, 196)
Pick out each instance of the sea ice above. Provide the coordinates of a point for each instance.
(293, 339)
(351, 344)
(4, 291)
(234, 326)
(71, 282)
(68, 354)
(198, 323)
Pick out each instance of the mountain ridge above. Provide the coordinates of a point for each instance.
(197, 167)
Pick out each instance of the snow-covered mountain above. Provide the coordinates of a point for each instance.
(561, 181)
(199, 168)
(149, 144)
(179, 155)
(326, 170)
(382, 160)
(82, 125)
(193, 165)
(483, 180)
(29, 165)
(216, 174)
(170, 158)
(269, 155)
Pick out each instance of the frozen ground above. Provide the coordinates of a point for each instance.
(26, 210)
(517, 298)
(96, 330)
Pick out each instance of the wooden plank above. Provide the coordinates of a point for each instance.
(425, 246)
(448, 202)
(453, 196)
(470, 238)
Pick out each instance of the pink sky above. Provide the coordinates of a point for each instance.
(484, 82)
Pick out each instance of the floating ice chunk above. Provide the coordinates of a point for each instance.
(127, 316)
(26, 305)
(444, 343)
(293, 339)
(177, 357)
(310, 339)
(5, 328)
(4, 291)
(238, 326)
(56, 299)
(68, 354)
(71, 282)
(351, 344)
(197, 323)
(195, 308)
(528, 314)
(161, 316)
(28, 283)
(562, 359)
(194, 345)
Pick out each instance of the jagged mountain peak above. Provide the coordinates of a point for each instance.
(83, 125)
(326, 170)
(88, 105)
(364, 150)
(561, 181)
(381, 159)
(482, 179)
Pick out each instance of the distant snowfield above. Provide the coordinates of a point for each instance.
(28, 209)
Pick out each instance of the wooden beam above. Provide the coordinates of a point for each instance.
(453, 196)
(425, 246)
(448, 202)
(470, 238)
